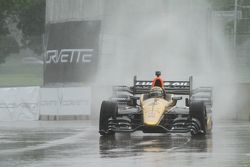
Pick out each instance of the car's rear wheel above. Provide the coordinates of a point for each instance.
(198, 111)
(108, 110)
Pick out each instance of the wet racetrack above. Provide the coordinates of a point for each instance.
(77, 144)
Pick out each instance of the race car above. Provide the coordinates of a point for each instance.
(142, 107)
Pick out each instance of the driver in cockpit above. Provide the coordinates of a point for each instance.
(158, 82)
(156, 92)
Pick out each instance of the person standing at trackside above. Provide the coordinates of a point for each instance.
(157, 80)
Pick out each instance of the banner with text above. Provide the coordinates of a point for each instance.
(72, 51)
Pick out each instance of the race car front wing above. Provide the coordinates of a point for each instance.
(178, 125)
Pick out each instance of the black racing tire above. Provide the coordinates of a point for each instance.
(198, 111)
(108, 110)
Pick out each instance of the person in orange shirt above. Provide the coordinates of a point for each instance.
(157, 80)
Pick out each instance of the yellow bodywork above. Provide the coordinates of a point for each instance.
(154, 109)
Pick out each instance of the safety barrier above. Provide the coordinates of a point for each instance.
(34, 103)
(65, 103)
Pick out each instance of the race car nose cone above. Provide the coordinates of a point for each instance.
(152, 112)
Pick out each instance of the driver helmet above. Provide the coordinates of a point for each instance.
(156, 92)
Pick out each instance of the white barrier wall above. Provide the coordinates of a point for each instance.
(65, 101)
(49, 104)
(20, 103)
(28, 103)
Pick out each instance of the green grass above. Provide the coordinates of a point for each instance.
(16, 73)
(20, 80)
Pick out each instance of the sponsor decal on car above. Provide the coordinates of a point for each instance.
(166, 83)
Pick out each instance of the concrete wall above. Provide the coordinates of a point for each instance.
(35, 103)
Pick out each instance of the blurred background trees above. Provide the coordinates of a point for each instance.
(22, 25)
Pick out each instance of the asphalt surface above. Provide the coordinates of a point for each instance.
(77, 144)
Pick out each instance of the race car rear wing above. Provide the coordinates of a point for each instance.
(171, 87)
(204, 94)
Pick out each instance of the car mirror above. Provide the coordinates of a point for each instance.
(176, 98)
(134, 100)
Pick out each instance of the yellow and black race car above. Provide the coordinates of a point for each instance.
(154, 110)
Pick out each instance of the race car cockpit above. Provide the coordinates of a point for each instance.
(156, 92)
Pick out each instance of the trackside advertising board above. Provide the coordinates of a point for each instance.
(19, 103)
(72, 51)
(28, 103)
(65, 101)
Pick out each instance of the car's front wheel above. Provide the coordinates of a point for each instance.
(108, 110)
(198, 112)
